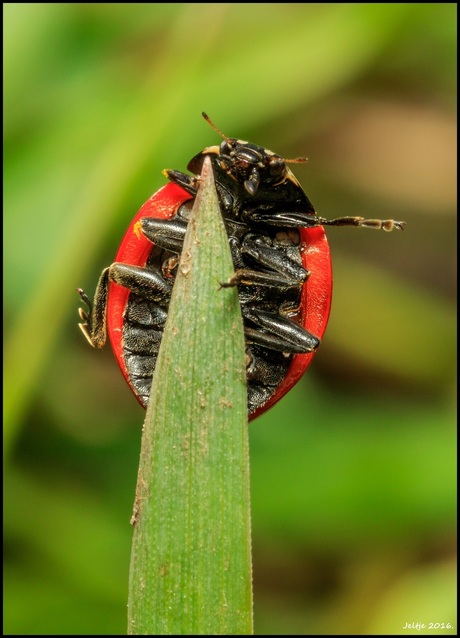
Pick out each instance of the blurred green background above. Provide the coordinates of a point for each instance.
(353, 474)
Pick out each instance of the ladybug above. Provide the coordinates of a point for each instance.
(282, 270)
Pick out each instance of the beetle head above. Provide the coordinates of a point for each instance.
(246, 163)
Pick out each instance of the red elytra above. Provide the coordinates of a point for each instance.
(315, 297)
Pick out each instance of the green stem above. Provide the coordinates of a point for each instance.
(191, 555)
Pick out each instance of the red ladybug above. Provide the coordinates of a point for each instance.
(282, 270)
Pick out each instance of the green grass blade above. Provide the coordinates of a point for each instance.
(191, 556)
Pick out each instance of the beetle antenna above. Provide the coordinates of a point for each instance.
(211, 123)
(297, 160)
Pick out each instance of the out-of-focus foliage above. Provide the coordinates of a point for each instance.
(352, 473)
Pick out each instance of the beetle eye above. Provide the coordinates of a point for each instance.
(226, 147)
(277, 167)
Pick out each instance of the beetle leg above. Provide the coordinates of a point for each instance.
(187, 182)
(284, 219)
(94, 324)
(165, 233)
(190, 184)
(248, 277)
(278, 333)
(299, 219)
(275, 260)
(284, 272)
(146, 283)
(379, 224)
